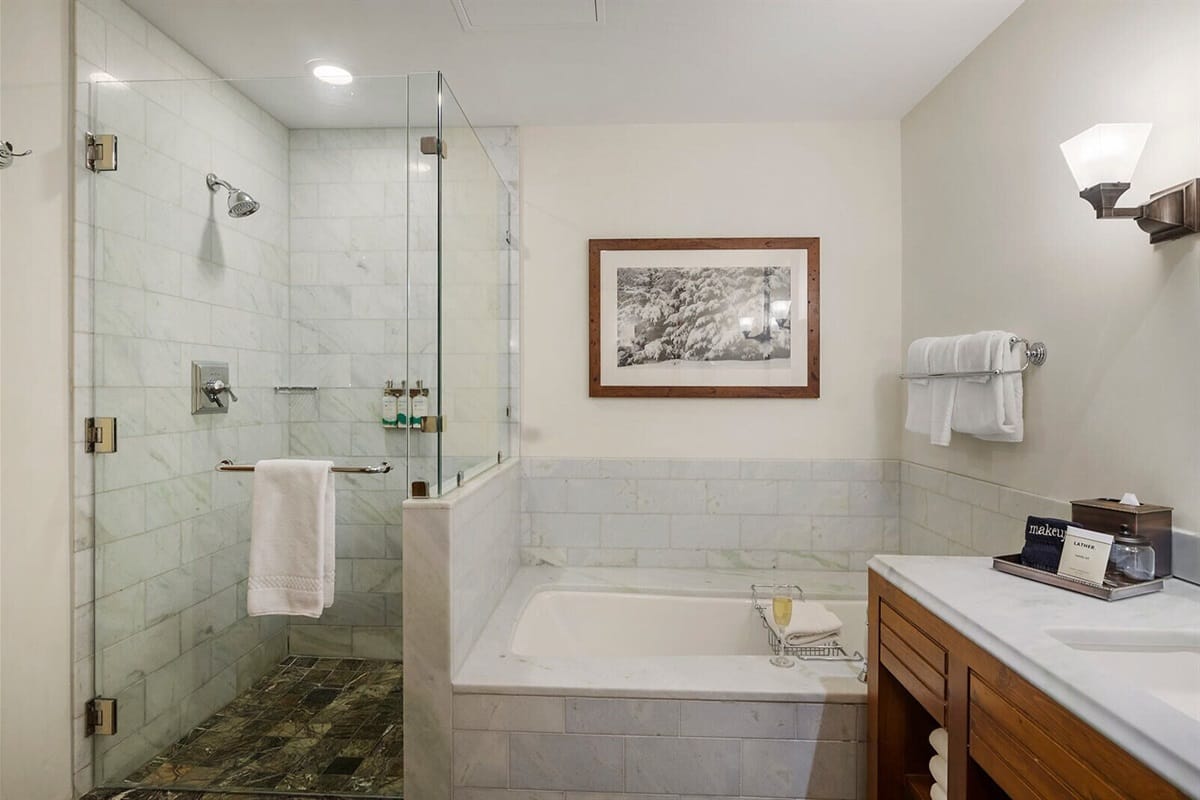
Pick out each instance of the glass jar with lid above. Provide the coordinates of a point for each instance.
(1131, 557)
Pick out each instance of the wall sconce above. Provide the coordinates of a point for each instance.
(1103, 159)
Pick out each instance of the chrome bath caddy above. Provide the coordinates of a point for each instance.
(828, 650)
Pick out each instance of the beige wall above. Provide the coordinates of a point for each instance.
(35, 496)
(995, 237)
(838, 181)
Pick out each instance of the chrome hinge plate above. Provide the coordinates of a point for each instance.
(432, 146)
(101, 152)
(100, 434)
(100, 716)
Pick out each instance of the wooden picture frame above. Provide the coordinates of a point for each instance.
(657, 327)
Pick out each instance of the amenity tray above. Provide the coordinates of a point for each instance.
(1109, 591)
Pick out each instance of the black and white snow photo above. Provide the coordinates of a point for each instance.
(685, 315)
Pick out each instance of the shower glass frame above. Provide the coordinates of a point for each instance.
(126, 370)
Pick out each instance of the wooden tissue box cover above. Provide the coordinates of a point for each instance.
(1107, 516)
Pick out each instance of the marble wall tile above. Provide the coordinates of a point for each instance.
(737, 720)
(509, 713)
(480, 758)
(799, 769)
(619, 716)
(680, 764)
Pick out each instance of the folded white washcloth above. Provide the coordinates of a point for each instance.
(940, 741)
(810, 622)
(291, 538)
(937, 792)
(919, 410)
(937, 768)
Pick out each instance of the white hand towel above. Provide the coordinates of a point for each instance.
(942, 391)
(937, 768)
(979, 403)
(936, 792)
(291, 538)
(919, 410)
(940, 741)
(1013, 393)
(810, 622)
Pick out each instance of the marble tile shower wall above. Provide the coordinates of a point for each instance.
(793, 514)
(942, 513)
(349, 334)
(171, 279)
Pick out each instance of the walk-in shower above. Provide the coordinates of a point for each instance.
(362, 274)
(241, 204)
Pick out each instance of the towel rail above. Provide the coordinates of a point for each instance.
(225, 465)
(1035, 355)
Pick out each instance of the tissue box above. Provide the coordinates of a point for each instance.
(1107, 515)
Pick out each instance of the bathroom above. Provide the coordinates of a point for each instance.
(543, 588)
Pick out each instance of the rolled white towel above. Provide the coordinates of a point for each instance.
(937, 768)
(936, 792)
(810, 622)
(940, 741)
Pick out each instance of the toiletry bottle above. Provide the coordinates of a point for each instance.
(420, 404)
(391, 406)
(401, 405)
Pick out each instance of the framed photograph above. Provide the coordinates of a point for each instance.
(705, 317)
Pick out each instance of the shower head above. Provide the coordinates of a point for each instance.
(241, 204)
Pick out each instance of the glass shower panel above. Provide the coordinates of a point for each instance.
(285, 277)
(475, 278)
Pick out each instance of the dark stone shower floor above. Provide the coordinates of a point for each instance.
(311, 725)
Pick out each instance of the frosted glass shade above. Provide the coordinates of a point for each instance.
(1106, 153)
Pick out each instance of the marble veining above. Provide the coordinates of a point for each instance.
(1009, 617)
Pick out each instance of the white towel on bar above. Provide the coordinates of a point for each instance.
(988, 406)
(919, 409)
(291, 538)
(939, 358)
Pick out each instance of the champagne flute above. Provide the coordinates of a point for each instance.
(781, 610)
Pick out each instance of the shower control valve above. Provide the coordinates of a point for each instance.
(213, 390)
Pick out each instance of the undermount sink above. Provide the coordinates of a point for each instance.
(1165, 663)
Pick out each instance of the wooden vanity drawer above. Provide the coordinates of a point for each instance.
(916, 660)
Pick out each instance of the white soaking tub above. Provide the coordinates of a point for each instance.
(631, 632)
(603, 624)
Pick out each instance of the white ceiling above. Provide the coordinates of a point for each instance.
(644, 61)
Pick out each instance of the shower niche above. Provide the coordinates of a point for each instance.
(266, 256)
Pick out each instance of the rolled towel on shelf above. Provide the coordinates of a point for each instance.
(937, 768)
(810, 622)
(940, 742)
(936, 792)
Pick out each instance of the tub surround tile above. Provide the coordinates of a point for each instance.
(509, 713)
(550, 761)
(738, 720)
(680, 764)
(800, 769)
(609, 715)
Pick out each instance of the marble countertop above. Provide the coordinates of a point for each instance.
(491, 667)
(1009, 617)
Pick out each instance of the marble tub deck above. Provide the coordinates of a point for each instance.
(311, 725)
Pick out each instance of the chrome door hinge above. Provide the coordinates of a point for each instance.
(100, 716)
(432, 146)
(100, 434)
(101, 152)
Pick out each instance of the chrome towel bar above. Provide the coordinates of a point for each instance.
(225, 465)
(1035, 355)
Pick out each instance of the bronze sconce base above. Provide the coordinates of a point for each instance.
(1169, 214)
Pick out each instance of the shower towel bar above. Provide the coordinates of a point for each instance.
(225, 465)
(295, 390)
(1035, 355)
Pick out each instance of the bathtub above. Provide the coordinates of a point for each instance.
(606, 624)
(636, 682)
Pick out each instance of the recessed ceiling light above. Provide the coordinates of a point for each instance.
(333, 74)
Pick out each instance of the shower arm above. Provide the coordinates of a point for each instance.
(213, 182)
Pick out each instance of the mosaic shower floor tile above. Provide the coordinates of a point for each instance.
(312, 725)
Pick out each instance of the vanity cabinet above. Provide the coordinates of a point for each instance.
(1007, 739)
